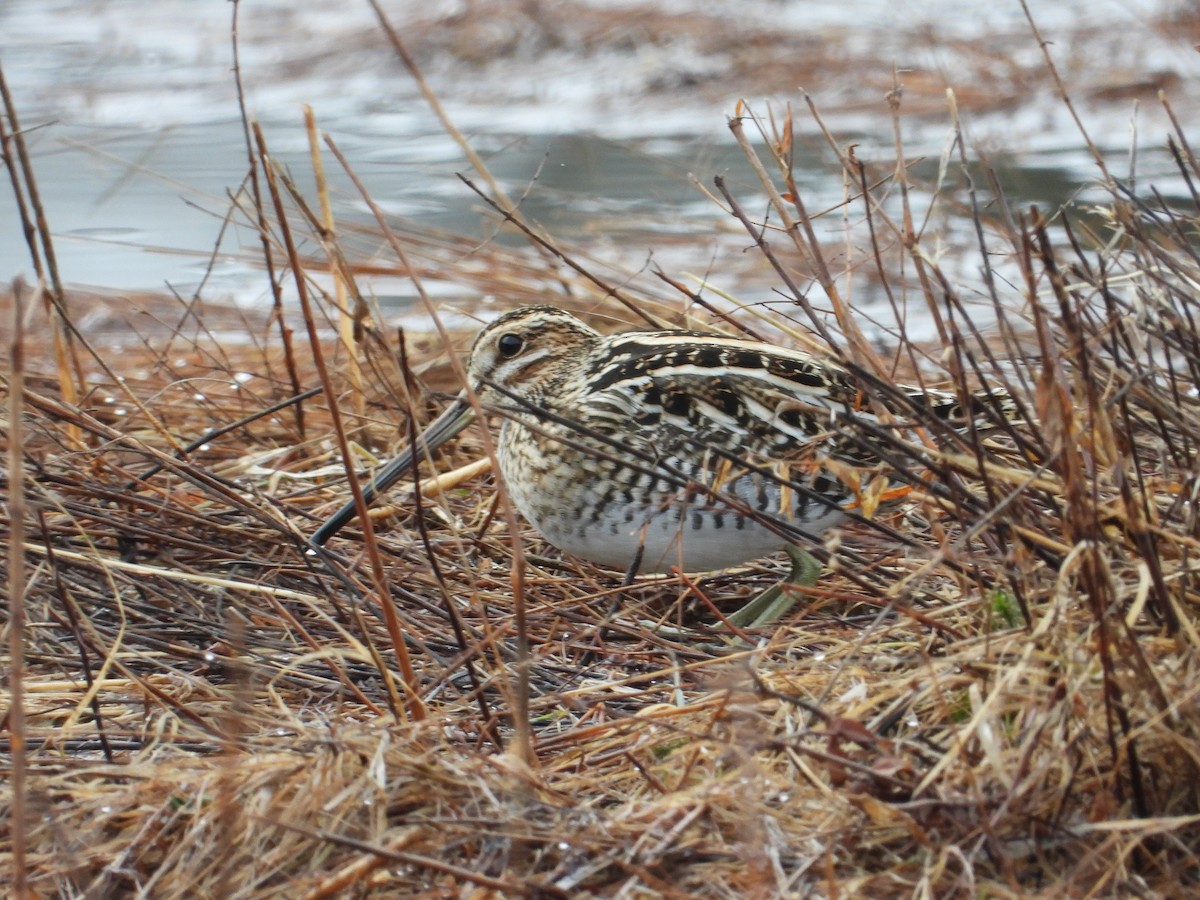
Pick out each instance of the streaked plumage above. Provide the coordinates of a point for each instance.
(668, 448)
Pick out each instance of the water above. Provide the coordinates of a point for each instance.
(131, 113)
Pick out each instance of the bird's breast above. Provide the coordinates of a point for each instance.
(698, 512)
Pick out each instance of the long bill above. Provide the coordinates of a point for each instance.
(457, 416)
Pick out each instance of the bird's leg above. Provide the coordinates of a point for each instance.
(634, 565)
(768, 607)
(773, 603)
(601, 633)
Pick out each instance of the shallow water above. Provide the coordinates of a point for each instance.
(132, 114)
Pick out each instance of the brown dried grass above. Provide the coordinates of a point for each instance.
(1003, 706)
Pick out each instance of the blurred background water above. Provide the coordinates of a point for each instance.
(131, 111)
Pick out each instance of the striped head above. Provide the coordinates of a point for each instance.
(530, 351)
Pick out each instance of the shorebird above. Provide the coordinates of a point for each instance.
(649, 450)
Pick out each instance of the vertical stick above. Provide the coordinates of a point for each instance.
(346, 319)
(16, 594)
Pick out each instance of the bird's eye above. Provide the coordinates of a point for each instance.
(510, 345)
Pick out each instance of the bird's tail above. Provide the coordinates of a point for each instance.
(987, 409)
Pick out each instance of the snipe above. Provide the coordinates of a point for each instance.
(648, 450)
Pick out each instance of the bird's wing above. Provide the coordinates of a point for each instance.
(766, 411)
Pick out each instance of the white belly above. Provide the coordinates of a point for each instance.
(694, 534)
(665, 542)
